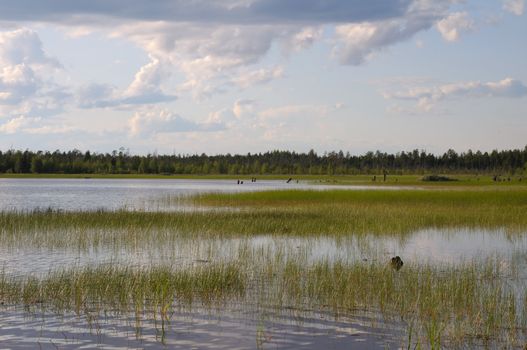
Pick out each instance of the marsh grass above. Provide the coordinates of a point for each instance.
(301, 212)
(438, 305)
(298, 213)
(124, 289)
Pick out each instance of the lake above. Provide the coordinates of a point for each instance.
(231, 325)
(131, 194)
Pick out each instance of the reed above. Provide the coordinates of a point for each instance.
(282, 213)
(441, 305)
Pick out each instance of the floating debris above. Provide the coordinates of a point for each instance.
(396, 263)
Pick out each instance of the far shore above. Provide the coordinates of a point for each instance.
(363, 180)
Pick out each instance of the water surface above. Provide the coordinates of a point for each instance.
(431, 246)
(228, 327)
(133, 194)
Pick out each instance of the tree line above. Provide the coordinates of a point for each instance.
(274, 162)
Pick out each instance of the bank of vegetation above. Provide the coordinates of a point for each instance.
(300, 213)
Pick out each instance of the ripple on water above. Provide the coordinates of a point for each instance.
(199, 329)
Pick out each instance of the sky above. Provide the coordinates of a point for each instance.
(239, 76)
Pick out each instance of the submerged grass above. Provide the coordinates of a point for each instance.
(118, 288)
(440, 304)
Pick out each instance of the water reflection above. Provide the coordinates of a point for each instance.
(198, 329)
(136, 194)
(430, 246)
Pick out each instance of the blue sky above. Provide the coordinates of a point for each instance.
(244, 76)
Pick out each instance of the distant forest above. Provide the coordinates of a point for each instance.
(275, 162)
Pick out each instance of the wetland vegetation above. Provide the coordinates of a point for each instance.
(437, 305)
(295, 213)
(478, 302)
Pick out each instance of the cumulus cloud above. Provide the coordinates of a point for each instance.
(514, 6)
(27, 87)
(22, 60)
(144, 89)
(211, 40)
(207, 55)
(427, 97)
(23, 46)
(155, 121)
(359, 42)
(146, 86)
(240, 115)
(259, 76)
(17, 83)
(454, 25)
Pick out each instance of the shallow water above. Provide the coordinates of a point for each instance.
(136, 194)
(198, 329)
(226, 328)
(430, 246)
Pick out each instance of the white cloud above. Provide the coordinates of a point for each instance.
(514, 6)
(244, 108)
(454, 25)
(359, 42)
(50, 130)
(144, 89)
(146, 86)
(17, 83)
(23, 46)
(239, 116)
(209, 41)
(22, 63)
(15, 124)
(250, 121)
(259, 76)
(32, 126)
(303, 39)
(156, 120)
(207, 55)
(428, 97)
(209, 52)
(27, 87)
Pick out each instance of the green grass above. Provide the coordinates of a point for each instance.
(124, 288)
(480, 303)
(452, 197)
(440, 305)
(289, 213)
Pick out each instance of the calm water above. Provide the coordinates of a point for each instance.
(137, 194)
(423, 247)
